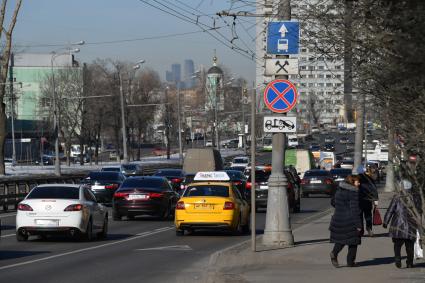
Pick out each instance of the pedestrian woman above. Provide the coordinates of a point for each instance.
(346, 224)
(401, 218)
(368, 199)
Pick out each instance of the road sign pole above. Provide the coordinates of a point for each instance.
(278, 230)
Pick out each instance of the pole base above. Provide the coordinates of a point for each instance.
(278, 239)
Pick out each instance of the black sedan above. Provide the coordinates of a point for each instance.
(317, 182)
(329, 147)
(175, 176)
(239, 180)
(148, 195)
(104, 184)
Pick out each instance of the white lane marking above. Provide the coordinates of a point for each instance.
(138, 236)
(8, 235)
(8, 215)
(168, 248)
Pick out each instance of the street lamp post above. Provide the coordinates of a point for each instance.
(179, 121)
(123, 123)
(56, 123)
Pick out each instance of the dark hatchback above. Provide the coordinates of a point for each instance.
(104, 184)
(175, 176)
(317, 182)
(147, 195)
(239, 181)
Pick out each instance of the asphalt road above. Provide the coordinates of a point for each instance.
(142, 250)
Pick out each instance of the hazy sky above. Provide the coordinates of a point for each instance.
(48, 25)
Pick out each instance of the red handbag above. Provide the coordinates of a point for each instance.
(377, 220)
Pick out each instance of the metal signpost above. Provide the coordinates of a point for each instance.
(280, 96)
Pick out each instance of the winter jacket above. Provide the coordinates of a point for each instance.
(400, 218)
(367, 191)
(346, 219)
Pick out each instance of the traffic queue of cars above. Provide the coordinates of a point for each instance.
(218, 199)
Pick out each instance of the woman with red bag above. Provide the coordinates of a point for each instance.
(402, 220)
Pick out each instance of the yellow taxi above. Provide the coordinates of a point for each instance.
(212, 202)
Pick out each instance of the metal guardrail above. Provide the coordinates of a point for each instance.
(14, 190)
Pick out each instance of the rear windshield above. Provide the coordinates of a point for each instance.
(169, 173)
(240, 160)
(235, 175)
(260, 176)
(111, 169)
(342, 172)
(103, 176)
(129, 167)
(316, 173)
(153, 183)
(207, 191)
(54, 193)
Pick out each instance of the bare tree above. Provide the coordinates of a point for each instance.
(4, 64)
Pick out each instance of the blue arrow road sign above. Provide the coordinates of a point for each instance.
(283, 38)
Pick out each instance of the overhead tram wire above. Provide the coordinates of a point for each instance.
(198, 24)
(115, 41)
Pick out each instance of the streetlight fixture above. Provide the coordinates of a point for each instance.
(55, 106)
(124, 129)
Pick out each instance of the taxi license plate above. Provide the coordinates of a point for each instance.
(264, 187)
(203, 206)
(315, 181)
(47, 222)
(133, 197)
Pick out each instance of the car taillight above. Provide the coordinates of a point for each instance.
(304, 181)
(180, 205)
(176, 180)
(228, 205)
(155, 195)
(112, 186)
(74, 207)
(248, 185)
(24, 207)
(120, 195)
(328, 181)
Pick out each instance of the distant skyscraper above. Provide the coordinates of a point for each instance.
(176, 70)
(169, 76)
(189, 71)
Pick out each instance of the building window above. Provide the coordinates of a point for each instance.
(303, 67)
(311, 68)
(321, 67)
(303, 50)
(320, 84)
(338, 76)
(339, 67)
(329, 84)
(321, 76)
(311, 76)
(328, 76)
(311, 84)
(338, 84)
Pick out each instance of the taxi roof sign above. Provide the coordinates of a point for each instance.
(211, 176)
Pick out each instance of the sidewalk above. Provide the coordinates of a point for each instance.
(309, 260)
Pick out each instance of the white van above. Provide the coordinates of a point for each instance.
(292, 141)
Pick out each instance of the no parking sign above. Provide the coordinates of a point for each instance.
(280, 96)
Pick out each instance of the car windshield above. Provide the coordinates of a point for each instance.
(207, 191)
(142, 183)
(169, 173)
(54, 193)
(316, 173)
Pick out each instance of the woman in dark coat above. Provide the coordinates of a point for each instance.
(368, 197)
(403, 225)
(346, 223)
